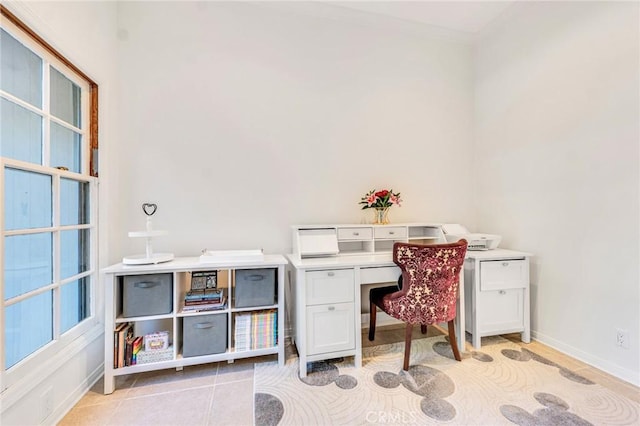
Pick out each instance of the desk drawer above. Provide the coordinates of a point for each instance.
(330, 286)
(391, 232)
(355, 234)
(503, 274)
(380, 274)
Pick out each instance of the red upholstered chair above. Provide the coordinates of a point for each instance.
(430, 277)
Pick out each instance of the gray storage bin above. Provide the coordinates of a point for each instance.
(150, 294)
(204, 335)
(255, 287)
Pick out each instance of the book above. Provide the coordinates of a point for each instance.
(203, 294)
(116, 342)
(137, 347)
(128, 339)
(204, 306)
(122, 332)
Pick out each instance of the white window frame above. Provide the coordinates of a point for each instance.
(60, 341)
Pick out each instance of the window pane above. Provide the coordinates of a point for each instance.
(75, 303)
(20, 133)
(28, 327)
(74, 252)
(27, 199)
(20, 70)
(65, 98)
(74, 202)
(65, 148)
(28, 263)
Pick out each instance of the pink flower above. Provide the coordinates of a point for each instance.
(395, 199)
(371, 199)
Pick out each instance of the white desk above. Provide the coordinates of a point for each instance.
(331, 263)
(325, 294)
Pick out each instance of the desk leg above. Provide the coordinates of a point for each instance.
(303, 366)
(525, 336)
(357, 319)
(460, 331)
(476, 339)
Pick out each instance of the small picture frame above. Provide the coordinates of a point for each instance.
(204, 280)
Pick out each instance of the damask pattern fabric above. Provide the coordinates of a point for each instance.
(431, 276)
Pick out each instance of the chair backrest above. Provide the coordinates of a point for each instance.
(431, 275)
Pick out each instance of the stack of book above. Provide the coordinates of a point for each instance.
(125, 345)
(204, 300)
(256, 330)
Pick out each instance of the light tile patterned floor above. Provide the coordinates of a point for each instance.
(222, 393)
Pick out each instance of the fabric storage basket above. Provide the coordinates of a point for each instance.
(204, 335)
(255, 287)
(150, 294)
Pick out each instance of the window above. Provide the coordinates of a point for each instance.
(48, 181)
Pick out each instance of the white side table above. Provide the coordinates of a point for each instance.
(497, 294)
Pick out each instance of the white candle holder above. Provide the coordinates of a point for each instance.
(149, 257)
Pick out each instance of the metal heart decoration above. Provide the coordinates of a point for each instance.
(149, 209)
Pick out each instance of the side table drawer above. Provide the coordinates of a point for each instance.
(330, 286)
(503, 274)
(357, 234)
(390, 232)
(502, 311)
(330, 328)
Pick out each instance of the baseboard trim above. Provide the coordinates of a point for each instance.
(630, 376)
(18, 391)
(75, 397)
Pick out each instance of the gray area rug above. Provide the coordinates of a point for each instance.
(501, 383)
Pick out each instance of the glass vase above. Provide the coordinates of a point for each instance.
(381, 215)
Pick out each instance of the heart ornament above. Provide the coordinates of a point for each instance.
(149, 209)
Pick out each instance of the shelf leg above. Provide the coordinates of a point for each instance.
(109, 384)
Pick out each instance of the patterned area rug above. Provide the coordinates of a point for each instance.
(501, 383)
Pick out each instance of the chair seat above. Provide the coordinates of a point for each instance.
(377, 294)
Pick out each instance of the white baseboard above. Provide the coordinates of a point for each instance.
(73, 398)
(630, 376)
(23, 401)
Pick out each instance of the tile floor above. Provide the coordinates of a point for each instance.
(222, 393)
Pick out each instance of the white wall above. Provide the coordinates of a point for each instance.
(84, 32)
(557, 132)
(247, 118)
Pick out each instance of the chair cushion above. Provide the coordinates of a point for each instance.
(376, 294)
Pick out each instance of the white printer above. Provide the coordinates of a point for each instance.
(454, 232)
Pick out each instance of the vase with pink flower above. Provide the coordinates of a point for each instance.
(380, 201)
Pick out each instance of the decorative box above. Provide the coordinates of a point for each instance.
(156, 341)
(146, 357)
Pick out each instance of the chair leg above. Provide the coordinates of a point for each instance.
(452, 341)
(423, 328)
(407, 346)
(372, 321)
